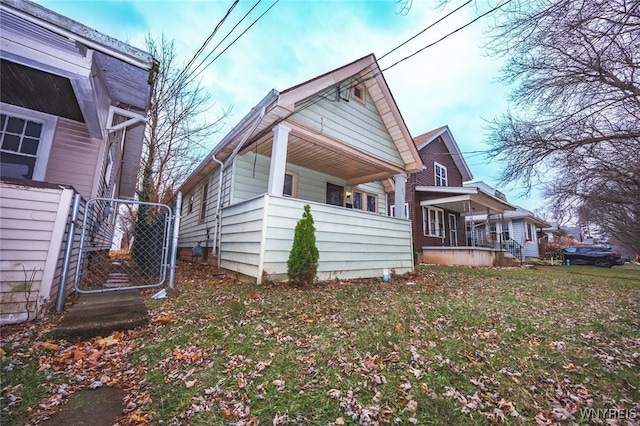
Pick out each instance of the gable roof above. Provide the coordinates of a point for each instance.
(277, 107)
(447, 137)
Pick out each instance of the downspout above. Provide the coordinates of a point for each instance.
(223, 166)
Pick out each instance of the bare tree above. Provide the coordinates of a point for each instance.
(177, 134)
(574, 123)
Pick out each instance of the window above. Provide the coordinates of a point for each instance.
(109, 169)
(335, 194)
(440, 174)
(25, 142)
(190, 204)
(290, 184)
(358, 93)
(433, 222)
(364, 201)
(203, 205)
(406, 211)
(530, 232)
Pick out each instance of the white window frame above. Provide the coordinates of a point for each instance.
(46, 137)
(438, 171)
(406, 210)
(438, 228)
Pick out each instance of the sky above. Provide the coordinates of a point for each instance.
(455, 82)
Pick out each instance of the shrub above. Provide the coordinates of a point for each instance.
(303, 257)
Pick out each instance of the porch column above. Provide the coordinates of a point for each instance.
(401, 187)
(278, 159)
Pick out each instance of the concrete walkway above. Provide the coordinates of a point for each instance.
(99, 314)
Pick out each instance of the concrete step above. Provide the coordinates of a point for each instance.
(100, 314)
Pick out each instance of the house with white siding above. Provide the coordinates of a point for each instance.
(73, 105)
(520, 227)
(336, 142)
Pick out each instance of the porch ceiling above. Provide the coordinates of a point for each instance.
(318, 152)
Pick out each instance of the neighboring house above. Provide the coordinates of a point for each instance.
(72, 117)
(442, 208)
(336, 142)
(521, 231)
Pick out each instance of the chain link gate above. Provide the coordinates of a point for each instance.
(126, 244)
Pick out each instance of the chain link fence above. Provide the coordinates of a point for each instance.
(124, 244)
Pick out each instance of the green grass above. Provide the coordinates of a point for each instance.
(445, 345)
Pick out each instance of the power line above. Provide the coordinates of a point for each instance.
(425, 29)
(237, 38)
(320, 97)
(213, 33)
(228, 34)
(449, 34)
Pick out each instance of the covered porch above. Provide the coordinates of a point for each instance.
(483, 242)
(256, 237)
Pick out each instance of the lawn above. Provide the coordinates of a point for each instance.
(443, 345)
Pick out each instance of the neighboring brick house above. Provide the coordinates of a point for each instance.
(441, 208)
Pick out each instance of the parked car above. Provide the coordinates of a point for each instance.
(592, 255)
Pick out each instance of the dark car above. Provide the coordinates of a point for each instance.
(592, 255)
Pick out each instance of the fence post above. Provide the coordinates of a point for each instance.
(62, 287)
(174, 241)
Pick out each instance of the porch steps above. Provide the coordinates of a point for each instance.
(99, 314)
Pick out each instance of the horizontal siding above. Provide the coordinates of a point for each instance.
(192, 230)
(352, 244)
(358, 125)
(74, 156)
(241, 237)
(24, 245)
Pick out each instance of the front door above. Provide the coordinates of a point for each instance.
(453, 230)
(335, 194)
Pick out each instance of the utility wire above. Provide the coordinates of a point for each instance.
(449, 34)
(228, 34)
(374, 74)
(236, 39)
(428, 27)
(204, 45)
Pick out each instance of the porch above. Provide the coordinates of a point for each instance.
(256, 237)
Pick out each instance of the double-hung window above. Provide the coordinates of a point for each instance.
(25, 142)
(433, 222)
(440, 172)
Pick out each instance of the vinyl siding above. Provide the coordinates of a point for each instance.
(74, 157)
(192, 229)
(353, 123)
(33, 223)
(351, 243)
(252, 175)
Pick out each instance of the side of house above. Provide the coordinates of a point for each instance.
(72, 112)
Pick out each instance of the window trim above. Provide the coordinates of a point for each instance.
(438, 180)
(392, 210)
(426, 222)
(364, 201)
(46, 137)
(294, 184)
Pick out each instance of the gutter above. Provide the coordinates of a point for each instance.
(223, 166)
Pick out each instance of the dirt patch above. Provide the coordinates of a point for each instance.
(95, 407)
